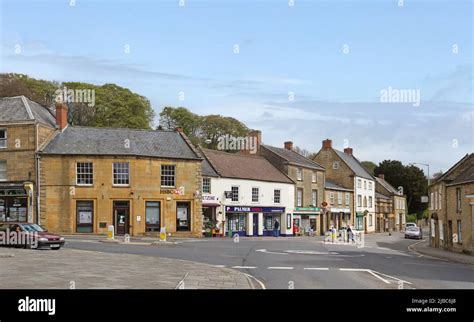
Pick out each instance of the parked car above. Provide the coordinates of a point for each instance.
(414, 232)
(30, 236)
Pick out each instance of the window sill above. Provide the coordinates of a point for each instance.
(120, 186)
(84, 185)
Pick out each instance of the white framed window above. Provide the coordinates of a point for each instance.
(314, 177)
(206, 185)
(314, 198)
(365, 184)
(370, 185)
(235, 193)
(277, 196)
(335, 165)
(3, 138)
(299, 199)
(299, 174)
(359, 201)
(339, 198)
(348, 196)
(370, 202)
(371, 220)
(365, 201)
(84, 173)
(440, 204)
(255, 194)
(331, 198)
(359, 183)
(3, 170)
(168, 175)
(431, 201)
(121, 174)
(435, 200)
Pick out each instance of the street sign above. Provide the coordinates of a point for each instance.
(424, 199)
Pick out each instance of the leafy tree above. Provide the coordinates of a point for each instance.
(369, 166)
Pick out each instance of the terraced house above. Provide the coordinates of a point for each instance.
(343, 169)
(139, 181)
(25, 126)
(391, 206)
(309, 178)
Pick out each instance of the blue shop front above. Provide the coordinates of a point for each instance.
(253, 221)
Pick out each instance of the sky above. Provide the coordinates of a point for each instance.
(296, 70)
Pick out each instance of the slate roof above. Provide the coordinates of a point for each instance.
(354, 165)
(294, 158)
(208, 170)
(21, 109)
(332, 186)
(386, 185)
(467, 175)
(238, 166)
(382, 196)
(448, 175)
(111, 141)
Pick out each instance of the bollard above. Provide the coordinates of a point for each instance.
(110, 233)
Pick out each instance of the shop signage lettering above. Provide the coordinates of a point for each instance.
(255, 209)
(209, 198)
(307, 209)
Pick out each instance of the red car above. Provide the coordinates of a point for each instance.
(28, 235)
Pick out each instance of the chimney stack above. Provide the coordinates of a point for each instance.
(348, 151)
(288, 145)
(61, 115)
(382, 176)
(327, 144)
(254, 142)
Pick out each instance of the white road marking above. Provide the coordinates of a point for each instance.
(245, 267)
(256, 279)
(374, 273)
(280, 267)
(265, 251)
(379, 277)
(310, 252)
(316, 269)
(219, 266)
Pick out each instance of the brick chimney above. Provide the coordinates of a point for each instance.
(348, 151)
(61, 115)
(255, 140)
(327, 144)
(382, 176)
(288, 145)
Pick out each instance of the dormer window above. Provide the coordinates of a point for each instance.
(3, 139)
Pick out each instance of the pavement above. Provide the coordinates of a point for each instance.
(386, 262)
(424, 248)
(79, 269)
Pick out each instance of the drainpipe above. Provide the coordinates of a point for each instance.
(38, 186)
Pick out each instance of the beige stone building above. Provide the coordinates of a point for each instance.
(451, 202)
(390, 207)
(139, 181)
(309, 179)
(25, 126)
(339, 205)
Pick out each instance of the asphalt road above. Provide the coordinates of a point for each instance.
(309, 263)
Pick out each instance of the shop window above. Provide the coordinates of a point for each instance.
(152, 216)
(168, 176)
(3, 170)
(85, 216)
(84, 173)
(276, 196)
(206, 185)
(121, 174)
(235, 193)
(183, 216)
(255, 194)
(3, 139)
(236, 222)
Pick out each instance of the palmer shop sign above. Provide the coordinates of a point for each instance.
(255, 209)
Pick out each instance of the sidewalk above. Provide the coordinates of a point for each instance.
(422, 247)
(70, 268)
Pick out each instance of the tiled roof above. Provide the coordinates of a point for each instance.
(386, 185)
(332, 186)
(354, 164)
(238, 166)
(294, 158)
(20, 109)
(109, 141)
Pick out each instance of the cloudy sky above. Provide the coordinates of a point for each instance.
(301, 71)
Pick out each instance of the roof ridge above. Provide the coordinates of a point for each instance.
(120, 128)
(464, 158)
(27, 107)
(268, 147)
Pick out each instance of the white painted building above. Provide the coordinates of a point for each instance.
(364, 201)
(248, 194)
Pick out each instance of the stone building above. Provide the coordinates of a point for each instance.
(391, 206)
(309, 186)
(451, 202)
(139, 181)
(345, 170)
(339, 206)
(25, 126)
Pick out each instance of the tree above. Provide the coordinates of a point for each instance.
(215, 126)
(369, 166)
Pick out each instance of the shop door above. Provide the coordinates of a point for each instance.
(121, 211)
(255, 224)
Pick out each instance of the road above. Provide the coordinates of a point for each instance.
(309, 263)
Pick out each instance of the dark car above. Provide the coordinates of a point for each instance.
(28, 235)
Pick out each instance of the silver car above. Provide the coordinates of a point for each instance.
(414, 232)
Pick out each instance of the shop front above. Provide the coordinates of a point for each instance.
(360, 221)
(305, 221)
(210, 212)
(339, 217)
(16, 202)
(253, 221)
